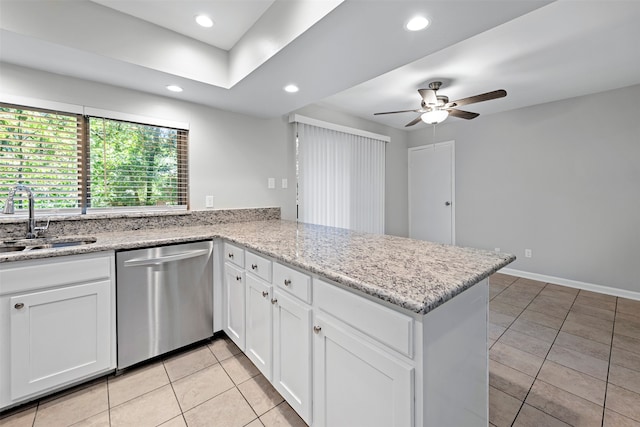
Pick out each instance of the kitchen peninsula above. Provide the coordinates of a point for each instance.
(407, 318)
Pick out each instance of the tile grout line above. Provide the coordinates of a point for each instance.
(545, 357)
(606, 384)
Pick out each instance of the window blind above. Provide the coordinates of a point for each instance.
(133, 164)
(75, 162)
(340, 179)
(42, 150)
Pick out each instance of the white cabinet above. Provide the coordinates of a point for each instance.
(292, 352)
(59, 335)
(57, 318)
(233, 295)
(355, 383)
(259, 329)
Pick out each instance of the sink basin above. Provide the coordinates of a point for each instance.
(45, 243)
(5, 248)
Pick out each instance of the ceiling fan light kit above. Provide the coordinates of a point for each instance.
(434, 117)
(436, 108)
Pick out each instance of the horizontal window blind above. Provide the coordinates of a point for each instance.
(74, 162)
(340, 179)
(42, 150)
(132, 164)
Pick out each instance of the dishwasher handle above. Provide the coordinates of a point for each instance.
(138, 262)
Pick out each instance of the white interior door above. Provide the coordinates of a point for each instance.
(431, 193)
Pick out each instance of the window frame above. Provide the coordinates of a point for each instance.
(83, 116)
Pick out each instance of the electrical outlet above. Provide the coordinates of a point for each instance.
(285, 183)
(271, 183)
(208, 201)
(527, 253)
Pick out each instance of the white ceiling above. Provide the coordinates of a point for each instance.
(354, 55)
(232, 18)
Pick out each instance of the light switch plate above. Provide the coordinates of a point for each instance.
(285, 183)
(208, 201)
(271, 183)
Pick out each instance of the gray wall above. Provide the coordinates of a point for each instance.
(231, 155)
(562, 179)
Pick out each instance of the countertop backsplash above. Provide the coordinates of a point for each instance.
(14, 226)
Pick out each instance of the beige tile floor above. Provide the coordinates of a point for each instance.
(211, 385)
(562, 357)
(558, 357)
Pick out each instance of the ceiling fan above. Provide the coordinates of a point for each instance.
(436, 108)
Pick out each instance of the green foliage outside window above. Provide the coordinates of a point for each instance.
(120, 164)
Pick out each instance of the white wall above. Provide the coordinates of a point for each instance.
(562, 179)
(231, 155)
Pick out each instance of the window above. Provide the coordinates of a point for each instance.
(76, 162)
(340, 179)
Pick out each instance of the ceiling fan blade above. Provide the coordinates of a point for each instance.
(501, 93)
(413, 122)
(394, 112)
(462, 114)
(428, 96)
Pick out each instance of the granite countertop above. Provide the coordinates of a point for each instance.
(413, 274)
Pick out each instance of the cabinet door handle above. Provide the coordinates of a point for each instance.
(273, 301)
(254, 266)
(230, 255)
(19, 305)
(238, 278)
(287, 282)
(317, 329)
(265, 294)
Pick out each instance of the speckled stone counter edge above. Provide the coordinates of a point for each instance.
(442, 273)
(13, 227)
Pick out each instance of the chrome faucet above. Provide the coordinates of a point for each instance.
(32, 230)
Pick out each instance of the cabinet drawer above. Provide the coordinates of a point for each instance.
(234, 254)
(56, 271)
(383, 324)
(259, 266)
(292, 281)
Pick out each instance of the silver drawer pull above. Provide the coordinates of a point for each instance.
(254, 266)
(238, 278)
(19, 305)
(265, 294)
(230, 255)
(317, 329)
(287, 282)
(273, 301)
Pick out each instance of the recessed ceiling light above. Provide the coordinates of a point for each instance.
(204, 21)
(417, 23)
(174, 88)
(291, 88)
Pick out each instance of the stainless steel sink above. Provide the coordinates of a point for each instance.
(45, 243)
(5, 248)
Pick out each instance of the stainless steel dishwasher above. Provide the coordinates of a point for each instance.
(164, 299)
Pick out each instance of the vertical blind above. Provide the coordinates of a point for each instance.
(340, 179)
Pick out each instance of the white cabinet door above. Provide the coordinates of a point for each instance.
(58, 336)
(292, 352)
(234, 300)
(356, 384)
(259, 325)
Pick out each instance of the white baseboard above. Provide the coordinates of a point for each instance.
(573, 283)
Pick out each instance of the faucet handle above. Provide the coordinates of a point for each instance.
(38, 230)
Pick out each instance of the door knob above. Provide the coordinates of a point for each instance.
(447, 203)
